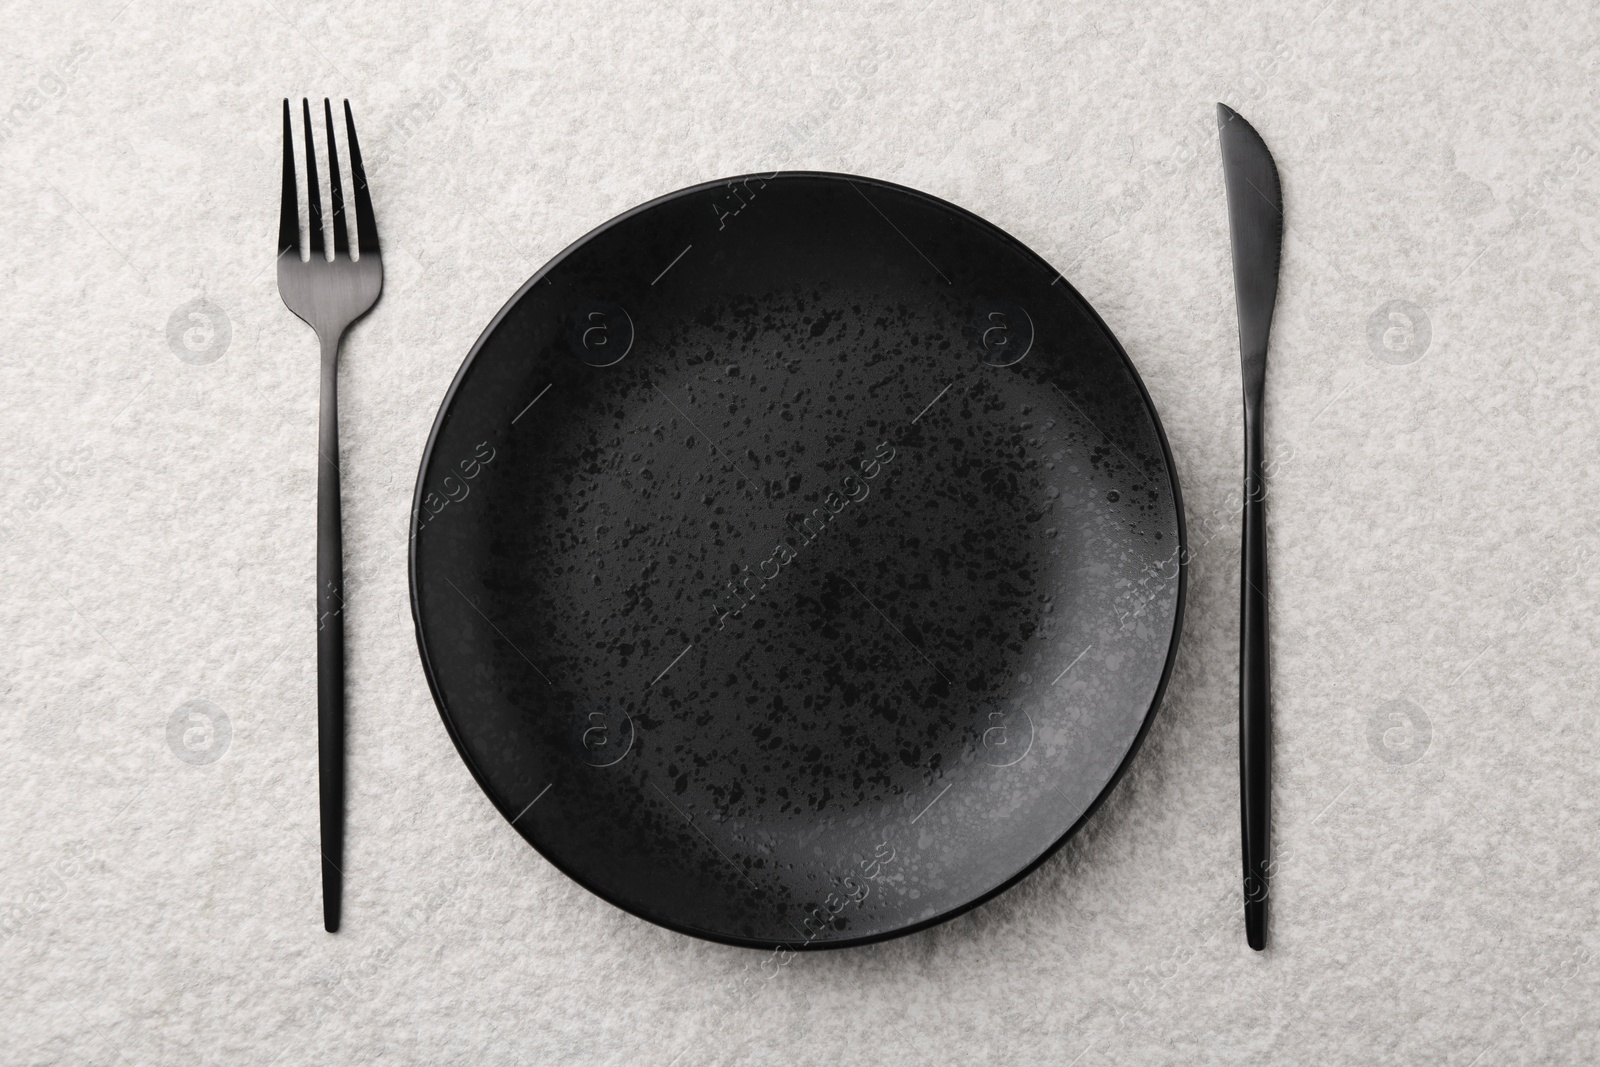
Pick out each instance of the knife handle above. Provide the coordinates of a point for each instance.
(1255, 693)
(330, 642)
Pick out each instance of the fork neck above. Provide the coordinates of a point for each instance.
(330, 348)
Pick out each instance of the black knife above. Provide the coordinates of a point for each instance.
(1255, 220)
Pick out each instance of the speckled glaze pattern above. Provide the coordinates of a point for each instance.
(797, 559)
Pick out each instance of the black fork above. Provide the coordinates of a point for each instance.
(329, 293)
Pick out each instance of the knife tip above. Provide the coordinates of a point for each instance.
(1224, 113)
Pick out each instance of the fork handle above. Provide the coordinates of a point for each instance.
(330, 640)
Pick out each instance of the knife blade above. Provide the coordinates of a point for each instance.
(1255, 223)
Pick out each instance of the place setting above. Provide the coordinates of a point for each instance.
(796, 559)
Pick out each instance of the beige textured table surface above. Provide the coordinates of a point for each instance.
(1433, 547)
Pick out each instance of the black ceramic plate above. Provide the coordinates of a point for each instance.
(797, 559)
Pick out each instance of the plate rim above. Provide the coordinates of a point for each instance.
(923, 924)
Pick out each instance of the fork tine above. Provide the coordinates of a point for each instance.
(366, 224)
(289, 217)
(341, 239)
(313, 190)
